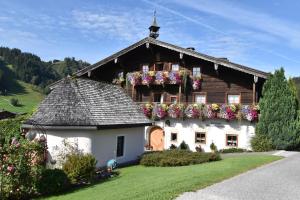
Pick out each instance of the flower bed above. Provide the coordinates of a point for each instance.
(201, 111)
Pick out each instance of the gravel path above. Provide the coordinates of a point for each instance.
(277, 181)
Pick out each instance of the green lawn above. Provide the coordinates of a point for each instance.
(138, 182)
(28, 97)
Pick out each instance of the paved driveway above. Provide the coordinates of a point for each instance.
(277, 181)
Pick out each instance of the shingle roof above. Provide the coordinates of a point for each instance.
(84, 102)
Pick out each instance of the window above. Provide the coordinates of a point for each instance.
(232, 140)
(200, 98)
(145, 68)
(120, 146)
(173, 99)
(233, 99)
(200, 137)
(159, 67)
(196, 71)
(175, 67)
(157, 97)
(173, 137)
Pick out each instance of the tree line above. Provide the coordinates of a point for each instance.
(31, 69)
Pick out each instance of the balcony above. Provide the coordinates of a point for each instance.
(160, 78)
(159, 111)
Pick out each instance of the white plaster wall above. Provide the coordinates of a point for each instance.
(101, 143)
(105, 144)
(216, 131)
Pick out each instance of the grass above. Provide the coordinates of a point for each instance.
(28, 98)
(138, 182)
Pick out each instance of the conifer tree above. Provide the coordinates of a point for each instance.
(278, 119)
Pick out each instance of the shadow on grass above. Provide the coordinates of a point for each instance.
(76, 188)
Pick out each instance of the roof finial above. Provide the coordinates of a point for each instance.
(154, 28)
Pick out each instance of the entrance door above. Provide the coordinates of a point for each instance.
(157, 139)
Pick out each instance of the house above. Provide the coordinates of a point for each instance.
(96, 117)
(186, 96)
(189, 96)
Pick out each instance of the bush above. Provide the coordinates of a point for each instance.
(233, 150)
(183, 146)
(261, 143)
(14, 102)
(199, 149)
(213, 147)
(80, 168)
(53, 181)
(173, 146)
(177, 158)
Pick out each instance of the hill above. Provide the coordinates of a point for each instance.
(25, 77)
(31, 69)
(29, 98)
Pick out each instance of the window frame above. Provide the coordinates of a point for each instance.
(142, 67)
(199, 132)
(233, 94)
(123, 150)
(172, 67)
(231, 135)
(174, 96)
(199, 93)
(161, 97)
(171, 138)
(200, 71)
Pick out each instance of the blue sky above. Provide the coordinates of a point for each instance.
(263, 34)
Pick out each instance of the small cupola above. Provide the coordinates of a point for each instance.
(154, 28)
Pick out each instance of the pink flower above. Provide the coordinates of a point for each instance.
(10, 168)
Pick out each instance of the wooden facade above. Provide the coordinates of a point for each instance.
(217, 82)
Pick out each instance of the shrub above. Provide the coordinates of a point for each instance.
(233, 150)
(80, 168)
(261, 143)
(177, 158)
(14, 102)
(53, 181)
(183, 146)
(213, 147)
(173, 146)
(199, 149)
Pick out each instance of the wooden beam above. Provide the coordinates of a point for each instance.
(179, 99)
(254, 94)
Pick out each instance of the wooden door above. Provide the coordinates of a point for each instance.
(157, 139)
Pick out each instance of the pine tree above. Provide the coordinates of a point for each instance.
(278, 120)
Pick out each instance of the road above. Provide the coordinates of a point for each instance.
(276, 181)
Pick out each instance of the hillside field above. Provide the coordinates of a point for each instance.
(27, 96)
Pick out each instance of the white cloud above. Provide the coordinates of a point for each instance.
(266, 23)
(111, 23)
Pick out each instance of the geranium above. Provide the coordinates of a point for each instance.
(215, 107)
(250, 113)
(174, 77)
(148, 78)
(161, 77)
(175, 110)
(134, 78)
(196, 82)
(161, 111)
(211, 111)
(228, 112)
(147, 109)
(193, 111)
